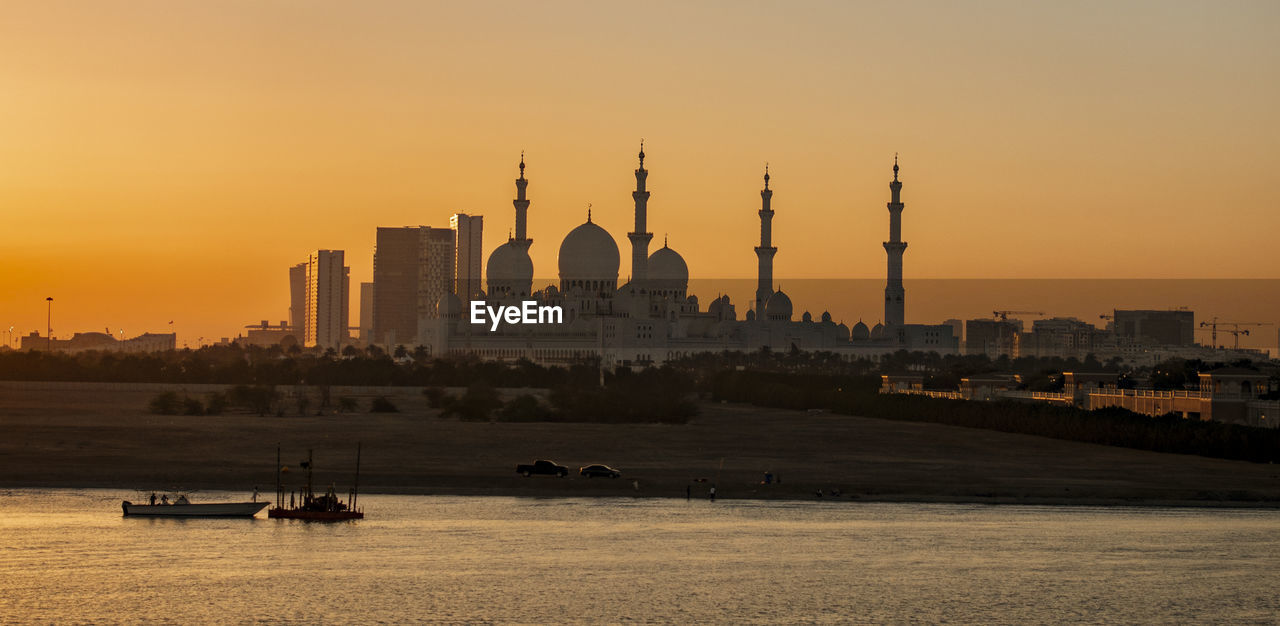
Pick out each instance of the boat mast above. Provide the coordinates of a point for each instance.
(279, 493)
(355, 486)
(310, 466)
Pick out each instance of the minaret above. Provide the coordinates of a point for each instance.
(640, 237)
(894, 294)
(765, 251)
(522, 208)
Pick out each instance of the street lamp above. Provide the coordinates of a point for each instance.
(48, 327)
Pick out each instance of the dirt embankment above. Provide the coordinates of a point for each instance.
(85, 437)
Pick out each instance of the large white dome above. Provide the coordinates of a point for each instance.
(510, 262)
(510, 270)
(589, 253)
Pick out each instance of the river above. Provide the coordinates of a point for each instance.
(69, 556)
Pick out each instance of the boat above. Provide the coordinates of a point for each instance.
(306, 505)
(182, 507)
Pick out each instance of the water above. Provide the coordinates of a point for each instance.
(69, 556)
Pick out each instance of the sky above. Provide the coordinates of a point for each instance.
(168, 161)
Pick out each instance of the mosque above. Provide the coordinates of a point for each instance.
(652, 318)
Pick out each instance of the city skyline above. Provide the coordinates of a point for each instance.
(1060, 142)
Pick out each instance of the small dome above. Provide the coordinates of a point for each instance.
(778, 307)
(666, 265)
(751, 316)
(826, 316)
(860, 331)
(842, 331)
(449, 306)
(877, 331)
(589, 253)
(807, 317)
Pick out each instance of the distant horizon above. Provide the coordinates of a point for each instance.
(851, 299)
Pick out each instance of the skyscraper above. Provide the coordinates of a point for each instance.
(395, 286)
(328, 285)
(366, 313)
(298, 299)
(436, 268)
(413, 267)
(468, 247)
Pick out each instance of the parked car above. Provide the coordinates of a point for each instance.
(599, 471)
(542, 466)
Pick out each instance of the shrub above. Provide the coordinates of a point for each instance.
(215, 404)
(436, 397)
(165, 403)
(192, 406)
(476, 404)
(381, 404)
(524, 408)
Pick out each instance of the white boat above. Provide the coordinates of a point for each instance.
(184, 508)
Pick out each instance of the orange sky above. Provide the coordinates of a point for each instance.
(169, 160)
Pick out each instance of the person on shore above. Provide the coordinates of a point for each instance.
(713, 493)
(688, 493)
(255, 493)
(164, 499)
(153, 498)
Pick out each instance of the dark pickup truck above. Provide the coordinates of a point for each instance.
(542, 467)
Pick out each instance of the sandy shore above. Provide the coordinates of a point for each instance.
(87, 438)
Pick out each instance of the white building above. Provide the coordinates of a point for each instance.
(652, 318)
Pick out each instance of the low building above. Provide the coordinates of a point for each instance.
(86, 342)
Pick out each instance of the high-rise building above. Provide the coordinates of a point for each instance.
(366, 313)
(413, 267)
(298, 299)
(395, 290)
(436, 268)
(468, 247)
(328, 285)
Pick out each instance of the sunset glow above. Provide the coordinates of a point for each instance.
(170, 160)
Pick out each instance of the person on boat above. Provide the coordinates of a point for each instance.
(153, 498)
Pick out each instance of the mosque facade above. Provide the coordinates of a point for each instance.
(652, 318)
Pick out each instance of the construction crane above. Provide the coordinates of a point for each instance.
(1004, 315)
(1234, 330)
